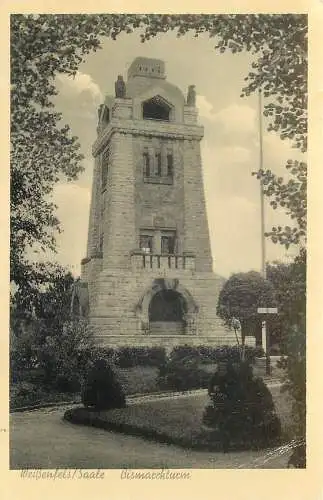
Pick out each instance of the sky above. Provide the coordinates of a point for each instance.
(230, 148)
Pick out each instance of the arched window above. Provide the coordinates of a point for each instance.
(156, 109)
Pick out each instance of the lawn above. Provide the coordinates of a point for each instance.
(139, 379)
(173, 420)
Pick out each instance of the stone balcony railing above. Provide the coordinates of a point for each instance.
(156, 262)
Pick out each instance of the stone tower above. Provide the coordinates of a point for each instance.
(148, 270)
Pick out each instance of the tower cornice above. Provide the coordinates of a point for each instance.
(147, 128)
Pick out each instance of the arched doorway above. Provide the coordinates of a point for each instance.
(163, 301)
(166, 312)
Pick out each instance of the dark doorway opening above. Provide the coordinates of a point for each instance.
(167, 305)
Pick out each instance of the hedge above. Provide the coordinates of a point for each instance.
(208, 354)
(130, 356)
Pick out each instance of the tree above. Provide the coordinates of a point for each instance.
(48, 348)
(43, 151)
(240, 297)
(45, 293)
(289, 281)
(54, 360)
(291, 196)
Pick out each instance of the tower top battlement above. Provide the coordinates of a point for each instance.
(147, 67)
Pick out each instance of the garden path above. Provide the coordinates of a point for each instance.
(42, 439)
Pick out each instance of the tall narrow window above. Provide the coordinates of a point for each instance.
(105, 163)
(146, 164)
(158, 164)
(101, 243)
(170, 165)
(168, 243)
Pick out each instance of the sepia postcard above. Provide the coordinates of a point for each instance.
(161, 228)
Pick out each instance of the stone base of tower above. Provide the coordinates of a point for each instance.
(120, 309)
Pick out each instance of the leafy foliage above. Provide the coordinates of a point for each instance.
(126, 357)
(242, 407)
(46, 296)
(186, 366)
(102, 390)
(183, 374)
(209, 354)
(291, 196)
(290, 284)
(48, 349)
(56, 361)
(25, 393)
(35, 279)
(240, 297)
(295, 380)
(289, 281)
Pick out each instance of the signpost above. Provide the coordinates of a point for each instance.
(264, 336)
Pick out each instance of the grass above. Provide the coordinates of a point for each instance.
(139, 379)
(174, 421)
(40, 398)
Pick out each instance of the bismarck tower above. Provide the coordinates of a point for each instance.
(148, 269)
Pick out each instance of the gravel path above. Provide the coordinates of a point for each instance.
(42, 439)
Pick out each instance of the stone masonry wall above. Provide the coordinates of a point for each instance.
(115, 321)
(94, 218)
(119, 223)
(197, 238)
(159, 200)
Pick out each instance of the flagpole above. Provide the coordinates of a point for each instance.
(264, 335)
(262, 200)
(262, 216)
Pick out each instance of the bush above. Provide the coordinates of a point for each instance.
(182, 370)
(242, 407)
(181, 352)
(233, 353)
(55, 361)
(25, 394)
(127, 357)
(208, 354)
(294, 366)
(183, 374)
(107, 353)
(102, 390)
